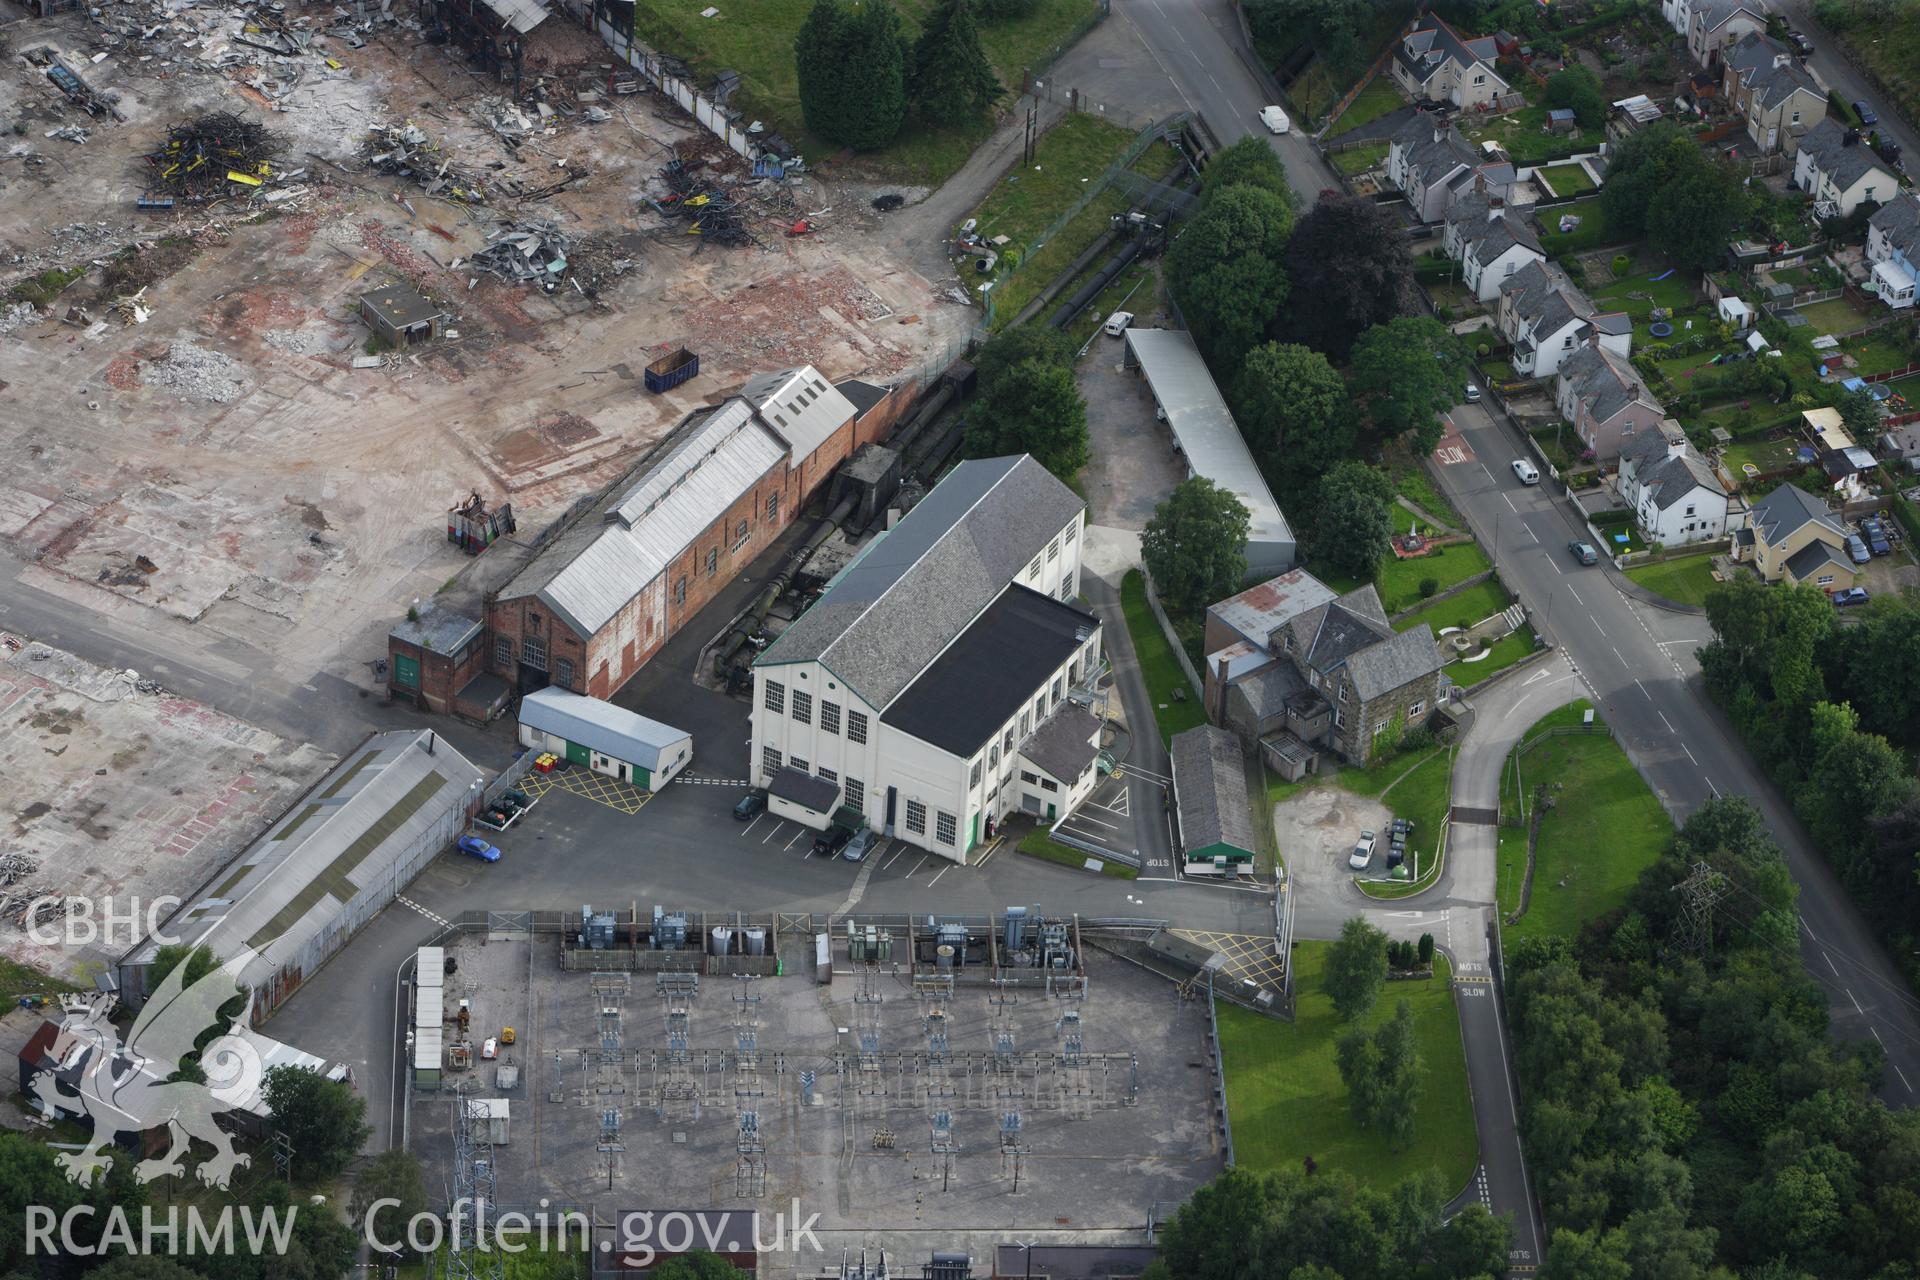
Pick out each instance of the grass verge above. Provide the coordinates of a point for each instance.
(1500, 655)
(1685, 580)
(1287, 1102)
(1372, 102)
(1159, 668)
(1038, 844)
(17, 980)
(1604, 829)
(1474, 604)
(1398, 581)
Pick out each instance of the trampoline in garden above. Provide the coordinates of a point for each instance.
(1660, 329)
(1879, 390)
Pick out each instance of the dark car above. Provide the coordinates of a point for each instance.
(1851, 596)
(1857, 550)
(1801, 43)
(830, 841)
(860, 846)
(751, 805)
(1583, 552)
(1865, 112)
(1876, 536)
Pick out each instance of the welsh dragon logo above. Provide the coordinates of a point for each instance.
(123, 1089)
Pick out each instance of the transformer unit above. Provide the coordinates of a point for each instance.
(669, 930)
(596, 928)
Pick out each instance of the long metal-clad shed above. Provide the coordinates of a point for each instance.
(324, 867)
(1210, 440)
(1210, 799)
(605, 738)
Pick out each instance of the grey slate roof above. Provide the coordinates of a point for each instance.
(1543, 300)
(912, 590)
(1468, 210)
(804, 789)
(1714, 13)
(1433, 152)
(1669, 477)
(1269, 690)
(1210, 789)
(1787, 508)
(603, 727)
(1843, 165)
(355, 830)
(1432, 42)
(861, 394)
(1065, 743)
(1406, 657)
(437, 630)
(1899, 219)
(639, 525)
(1605, 382)
(1815, 556)
(1497, 235)
(1354, 632)
(1766, 66)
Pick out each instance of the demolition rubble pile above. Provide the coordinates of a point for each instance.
(536, 251)
(211, 157)
(405, 151)
(709, 210)
(197, 374)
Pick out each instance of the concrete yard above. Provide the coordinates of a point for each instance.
(861, 1155)
(123, 796)
(223, 463)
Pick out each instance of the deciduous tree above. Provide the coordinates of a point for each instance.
(1350, 269)
(1352, 524)
(1032, 408)
(1356, 969)
(1578, 89)
(1195, 545)
(324, 1120)
(1225, 271)
(1295, 412)
(1010, 347)
(1250, 162)
(392, 1175)
(1411, 370)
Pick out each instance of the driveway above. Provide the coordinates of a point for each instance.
(1133, 466)
(1315, 830)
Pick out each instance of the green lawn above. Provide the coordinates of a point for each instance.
(1520, 132)
(755, 38)
(1877, 352)
(1612, 523)
(1159, 669)
(1038, 844)
(1476, 603)
(1359, 159)
(1415, 486)
(1567, 179)
(1683, 581)
(1761, 454)
(1376, 100)
(1592, 233)
(1835, 315)
(1606, 827)
(1500, 655)
(18, 980)
(1639, 293)
(1286, 1101)
(1399, 580)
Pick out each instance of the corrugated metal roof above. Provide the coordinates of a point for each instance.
(801, 406)
(1199, 417)
(519, 15)
(428, 1050)
(603, 727)
(430, 967)
(293, 882)
(634, 532)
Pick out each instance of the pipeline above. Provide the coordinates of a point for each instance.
(751, 620)
(929, 409)
(1087, 292)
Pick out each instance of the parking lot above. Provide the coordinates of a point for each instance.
(1114, 816)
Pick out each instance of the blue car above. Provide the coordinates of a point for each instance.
(1875, 535)
(1865, 112)
(475, 847)
(1850, 597)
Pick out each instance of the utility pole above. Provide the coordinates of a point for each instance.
(1699, 893)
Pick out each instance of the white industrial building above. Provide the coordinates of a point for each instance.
(940, 683)
(1208, 438)
(325, 866)
(605, 738)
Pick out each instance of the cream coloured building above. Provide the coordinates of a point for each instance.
(941, 681)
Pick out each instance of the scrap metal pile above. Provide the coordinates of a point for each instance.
(710, 211)
(405, 151)
(211, 157)
(536, 251)
(18, 894)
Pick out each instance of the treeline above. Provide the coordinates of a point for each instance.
(1685, 1111)
(1833, 714)
(1309, 323)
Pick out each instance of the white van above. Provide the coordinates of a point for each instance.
(1117, 323)
(1275, 119)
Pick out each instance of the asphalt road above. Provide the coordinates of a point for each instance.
(1841, 77)
(1197, 44)
(1638, 660)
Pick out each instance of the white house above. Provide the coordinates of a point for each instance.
(1433, 164)
(1495, 251)
(1713, 25)
(1434, 62)
(605, 738)
(1893, 247)
(941, 682)
(1836, 169)
(1546, 318)
(1674, 495)
(1677, 14)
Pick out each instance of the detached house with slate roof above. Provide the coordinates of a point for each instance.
(1432, 163)
(1434, 62)
(1792, 536)
(1835, 167)
(1546, 318)
(1603, 399)
(942, 681)
(1893, 247)
(1673, 494)
(1295, 669)
(1768, 88)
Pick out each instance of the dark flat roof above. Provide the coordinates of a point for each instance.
(994, 668)
(399, 305)
(804, 789)
(864, 395)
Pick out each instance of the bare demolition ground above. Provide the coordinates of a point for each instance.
(115, 793)
(224, 462)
